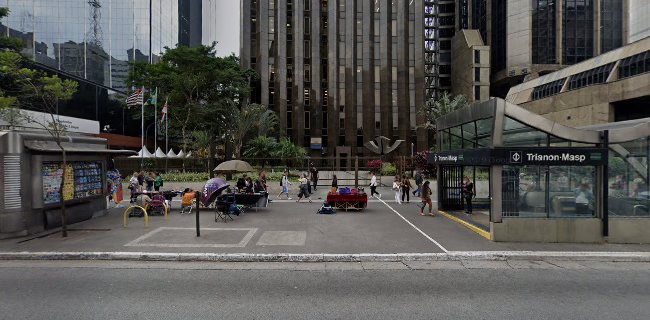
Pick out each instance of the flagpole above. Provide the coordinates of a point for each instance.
(155, 121)
(166, 133)
(142, 131)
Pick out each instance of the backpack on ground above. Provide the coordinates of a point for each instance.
(326, 208)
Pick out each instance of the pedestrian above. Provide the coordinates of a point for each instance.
(158, 182)
(584, 198)
(133, 186)
(468, 194)
(397, 188)
(141, 181)
(304, 184)
(373, 185)
(308, 182)
(149, 181)
(335, 184)
(425, 196)
(418, 183)
(406, 188)
(314, 175)
(284, 183)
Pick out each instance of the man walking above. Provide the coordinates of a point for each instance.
(314, 175)
(418, 183)
(373, 185)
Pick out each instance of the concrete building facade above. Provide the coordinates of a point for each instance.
(530, 38)
(339, 72)
(612, 87)
(470, 66)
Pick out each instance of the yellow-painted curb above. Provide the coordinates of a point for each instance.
(467, 225)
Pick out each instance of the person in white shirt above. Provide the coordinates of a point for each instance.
(285, 185)
(133, 186)
(397, 187)
(303, 188)
(373, 185)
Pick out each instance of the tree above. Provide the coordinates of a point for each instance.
(289, 152)
(22, 87)
(203, 90)
(243, 121)
(262, 147)
(438, 108)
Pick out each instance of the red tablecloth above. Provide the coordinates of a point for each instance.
(347, 201)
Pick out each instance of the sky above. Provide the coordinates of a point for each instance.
(228, 26)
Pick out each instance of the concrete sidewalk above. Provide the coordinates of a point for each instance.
(289, 231)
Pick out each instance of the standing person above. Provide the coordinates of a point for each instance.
(141, 181)
(584, 197)
(373, 185)
(397, 187)
(335, 184)
(418, 183)
(468, 194)
(133, 186)
(158, 182)
(406, 188)
(149, 180)
(425, 196)
(563, 182)
(284, 183)
(304, 183)
(314, 175)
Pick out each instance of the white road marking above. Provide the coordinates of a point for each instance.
(249, 235)
(414, 227)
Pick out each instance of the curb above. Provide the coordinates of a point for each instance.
(466, 224)
(289, 257)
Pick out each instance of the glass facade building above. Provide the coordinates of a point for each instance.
(96, 39)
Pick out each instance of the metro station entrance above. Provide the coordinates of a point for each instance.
(451, 197)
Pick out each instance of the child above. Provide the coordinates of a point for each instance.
(187, 200)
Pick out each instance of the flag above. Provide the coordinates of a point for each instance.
(135, 99)
(163, 115)
(152, 99)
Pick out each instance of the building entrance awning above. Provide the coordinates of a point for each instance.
(52, 147)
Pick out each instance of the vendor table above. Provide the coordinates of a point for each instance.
(357, 201)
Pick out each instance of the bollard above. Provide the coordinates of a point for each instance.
(197, 196)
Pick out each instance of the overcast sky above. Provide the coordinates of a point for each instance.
(228, 26)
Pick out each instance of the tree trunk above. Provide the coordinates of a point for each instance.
(64, 227)
(211, 153)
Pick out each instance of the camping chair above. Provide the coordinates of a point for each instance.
(225, 207)
(157, 206)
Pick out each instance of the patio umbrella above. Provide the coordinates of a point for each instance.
(233, 166)
(212, 190)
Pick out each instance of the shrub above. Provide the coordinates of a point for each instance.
(185, 177)
(374, 164)
(388, 169)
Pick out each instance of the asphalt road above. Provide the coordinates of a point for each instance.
(127, 292)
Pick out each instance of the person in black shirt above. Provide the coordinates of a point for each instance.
(241, 183)
(468, 194)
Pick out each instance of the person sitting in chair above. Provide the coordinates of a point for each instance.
(186, 200)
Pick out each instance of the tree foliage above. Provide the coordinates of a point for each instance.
(438, 108)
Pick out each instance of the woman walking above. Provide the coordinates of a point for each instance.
(406, 188)
(284, 183)
(373, 185)
(425, 195)
(335, 184)
(303, 188)
(397, 186)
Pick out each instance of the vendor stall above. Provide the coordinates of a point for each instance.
(31, 169)
(353, 200)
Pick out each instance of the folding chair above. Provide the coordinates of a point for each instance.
(223, 208)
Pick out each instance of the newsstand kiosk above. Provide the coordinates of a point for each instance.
(30, 171)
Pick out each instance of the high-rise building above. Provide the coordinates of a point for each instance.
(529, 38)
(92, 39)
(338, 72)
